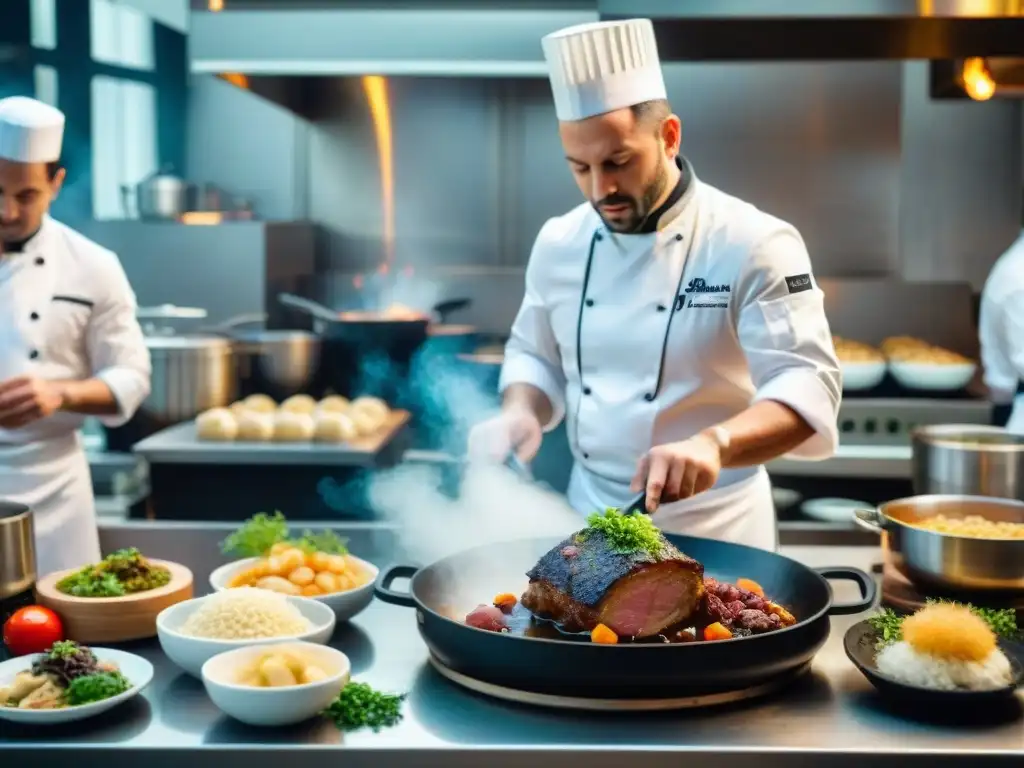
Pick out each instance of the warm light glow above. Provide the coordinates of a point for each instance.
(236, 78)
(977, 80)
(202, 218)
(215, 5)
(376, 89)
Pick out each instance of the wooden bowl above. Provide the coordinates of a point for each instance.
(92, 620)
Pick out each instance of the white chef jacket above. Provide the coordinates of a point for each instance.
(653, 338)
(1001, 332)
(66, 312)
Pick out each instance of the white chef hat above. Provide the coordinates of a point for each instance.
(601, 67)
(30, 131)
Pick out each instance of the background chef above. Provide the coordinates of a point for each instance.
(69, 341)
(677, 329)
(1001, 334)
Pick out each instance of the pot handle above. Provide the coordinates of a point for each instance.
(382, 587)
(869, 520)
(866, 582)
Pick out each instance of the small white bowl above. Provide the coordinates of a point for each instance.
(931, 376)
(346, 605)
(138, 671)
(859, 376)
(190, 653)
(274, 706)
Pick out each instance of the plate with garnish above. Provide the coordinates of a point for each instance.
(944, 655)
(69, 682)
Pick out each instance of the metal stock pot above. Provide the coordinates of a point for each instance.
(968, 459)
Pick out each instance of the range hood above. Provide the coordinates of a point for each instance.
(267, 38)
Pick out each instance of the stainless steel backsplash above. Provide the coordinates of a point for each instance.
(881, 181)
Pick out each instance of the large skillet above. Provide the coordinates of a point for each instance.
(444, 592)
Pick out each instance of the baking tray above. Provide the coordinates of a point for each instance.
(180, 445)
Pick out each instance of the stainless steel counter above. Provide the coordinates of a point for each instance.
(832, 714)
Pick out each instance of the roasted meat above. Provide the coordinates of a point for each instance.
(738, 608)
(585, 581)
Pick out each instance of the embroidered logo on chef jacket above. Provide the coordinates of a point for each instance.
(702, 295)
(798, 283)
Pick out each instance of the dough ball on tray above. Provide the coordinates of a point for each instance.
(216, 424)
(293, 427)
(260, 403)
(334, 428)
(334, 404)
(299, 404)
(255, 427)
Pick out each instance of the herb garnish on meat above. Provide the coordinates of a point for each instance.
(627, 534)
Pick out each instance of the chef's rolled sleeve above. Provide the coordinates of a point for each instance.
(787, 341)
(531, 354)
(117, 350)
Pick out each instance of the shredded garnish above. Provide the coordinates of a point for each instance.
(358, 706)
(627, 534)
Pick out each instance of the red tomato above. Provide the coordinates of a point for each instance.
(32, 629)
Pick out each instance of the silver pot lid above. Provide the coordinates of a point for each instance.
(187, 342)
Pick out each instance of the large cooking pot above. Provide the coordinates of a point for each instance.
(161, 196)
(967, 459)
(944, 560)
(443, 593)
(17, 551)
(190, 375)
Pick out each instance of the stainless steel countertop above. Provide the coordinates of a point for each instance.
(831, 714)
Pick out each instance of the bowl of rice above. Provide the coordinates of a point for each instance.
(196, 630)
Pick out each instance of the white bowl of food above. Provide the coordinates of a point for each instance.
(42, 695)
(279, 684)
(932, 376)
(862, 375)
(195, 631)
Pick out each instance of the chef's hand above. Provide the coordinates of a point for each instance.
(678, 470)
(514, 428)
(24, 400)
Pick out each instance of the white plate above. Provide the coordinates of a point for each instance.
(345, 604)
(831, 510)
(931, 376)
(138, 671)
(190, 653)
(859, 376)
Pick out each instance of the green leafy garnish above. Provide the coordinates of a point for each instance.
(63, 649)
(358, 705)
(627, 534)
(123, 572)
(262, 531)
(888, 624)
(97, 687)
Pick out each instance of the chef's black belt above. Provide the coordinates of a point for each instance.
(1001, 413)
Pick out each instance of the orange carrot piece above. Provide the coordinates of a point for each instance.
(506, 601)
(601, 634)
(716, 631)
(750, 586)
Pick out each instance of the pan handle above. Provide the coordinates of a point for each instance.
(866, 582)
(869, 520)
(382, 588)
(313, 308)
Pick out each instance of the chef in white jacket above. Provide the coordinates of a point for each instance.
(1001, 333)
(678, 329)
(70, 344)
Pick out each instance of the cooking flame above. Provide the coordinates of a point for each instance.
(376, 89)
(237, 79)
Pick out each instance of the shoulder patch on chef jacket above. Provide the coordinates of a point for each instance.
(799, 283)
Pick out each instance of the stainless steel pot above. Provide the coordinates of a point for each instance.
(279, 363)
(968, 459)
(17, 549)
(190, 375)
(943, 560)
(161, 196)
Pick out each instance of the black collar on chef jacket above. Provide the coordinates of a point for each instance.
(17, 246)
(651, 222)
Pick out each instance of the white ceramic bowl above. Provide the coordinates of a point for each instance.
(138, 671)
(859, 376)
(274, 706)
(830, 510)
(190, 653)
(932, 376)
(345, 604)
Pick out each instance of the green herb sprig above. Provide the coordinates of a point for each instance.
(259, 533)
(360, 706)
(90, 688)
(627, 534)
(888, 624)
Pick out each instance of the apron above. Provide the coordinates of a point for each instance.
(43, 465)
(739, 509)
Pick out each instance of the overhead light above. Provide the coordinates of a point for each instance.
(977, 80)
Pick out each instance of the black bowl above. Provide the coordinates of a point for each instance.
(860, 641)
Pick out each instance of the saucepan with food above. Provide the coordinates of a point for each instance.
(621, 611)
(953, 541)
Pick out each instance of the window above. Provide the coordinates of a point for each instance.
(121, 35)
(43, 16)
(124, 141)
(46, 84)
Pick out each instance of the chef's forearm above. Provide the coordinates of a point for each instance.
(91, 397)
(528, 397)
(764, 431)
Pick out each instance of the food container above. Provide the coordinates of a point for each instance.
(345, 604)
(975, 460)
(190, 653)
(932, 376)
(947, 561)
(191, 374)
(114, 619)
(861, 376)
(274, 706)
(17, 551)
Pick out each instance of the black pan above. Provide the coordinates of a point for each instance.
(443, 593)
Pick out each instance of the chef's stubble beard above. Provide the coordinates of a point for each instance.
(642, 208)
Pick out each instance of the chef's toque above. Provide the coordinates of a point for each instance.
(30, 131)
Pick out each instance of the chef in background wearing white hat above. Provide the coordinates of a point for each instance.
(678, 329)
(70, 344)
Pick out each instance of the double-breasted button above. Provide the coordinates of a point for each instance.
(649, 397)
(598, 236)
(40, 261)
(586, 390)
(586, 455)
(34, 316)
(679, 237)
(589, 302)
(662, 307)
(33, 354)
